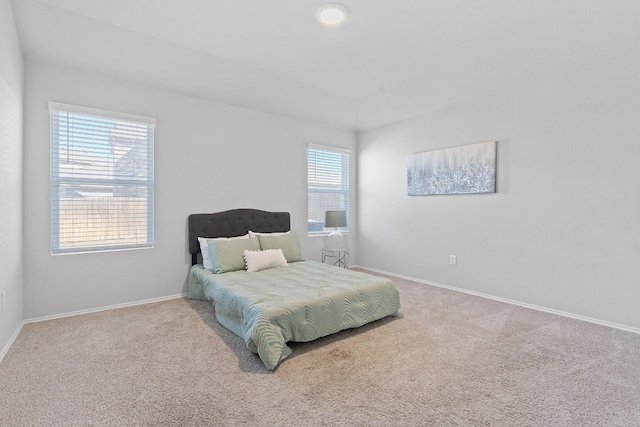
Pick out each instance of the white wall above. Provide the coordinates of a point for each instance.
(208, 157)
(11, 97)
(563, 230)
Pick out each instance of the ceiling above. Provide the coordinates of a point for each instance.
(391, 61)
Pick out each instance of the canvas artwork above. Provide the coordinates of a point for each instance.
(458, 170)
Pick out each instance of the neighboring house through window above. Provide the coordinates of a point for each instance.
(101, 180)
(328, 184)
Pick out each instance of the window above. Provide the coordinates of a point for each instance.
(101, 180)
(328, 184)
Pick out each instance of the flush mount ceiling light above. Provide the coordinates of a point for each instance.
(332, 14)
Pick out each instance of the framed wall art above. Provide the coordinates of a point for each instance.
(458, 170)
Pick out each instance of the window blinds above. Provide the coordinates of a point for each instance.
(328, 184)
(101, 179)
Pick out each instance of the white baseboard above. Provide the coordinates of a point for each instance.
(108, 307)
(509, 301)
(6, 348)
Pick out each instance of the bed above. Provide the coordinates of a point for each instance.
(300, 301)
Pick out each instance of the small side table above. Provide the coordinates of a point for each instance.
(339, 255)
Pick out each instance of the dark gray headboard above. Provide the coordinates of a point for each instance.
(235, 222)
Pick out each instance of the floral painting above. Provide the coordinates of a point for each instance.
(457, 170)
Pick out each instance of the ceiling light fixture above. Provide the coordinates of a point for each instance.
(332, 14)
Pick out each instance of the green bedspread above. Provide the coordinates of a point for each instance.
(302, 302)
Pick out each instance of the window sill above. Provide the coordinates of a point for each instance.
(325, 233)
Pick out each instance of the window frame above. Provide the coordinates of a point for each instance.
(56, 109)
(344, 190)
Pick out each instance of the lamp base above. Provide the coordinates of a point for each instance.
(336, 239)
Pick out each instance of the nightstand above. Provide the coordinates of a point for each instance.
(339, 256)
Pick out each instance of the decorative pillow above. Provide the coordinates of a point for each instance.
(253, 234)
(204, 248)
(228, 255)
(287, 242)
(262, 260)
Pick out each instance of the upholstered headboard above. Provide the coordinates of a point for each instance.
(235, 222)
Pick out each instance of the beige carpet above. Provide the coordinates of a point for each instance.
(451, 359)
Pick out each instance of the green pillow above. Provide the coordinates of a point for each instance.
(228, 255)
(287, 242)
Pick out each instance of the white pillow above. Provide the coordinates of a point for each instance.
(262, 260)
(253, 234)
(206, 253)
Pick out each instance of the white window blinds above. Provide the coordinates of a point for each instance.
(328, 184)
(101, 179)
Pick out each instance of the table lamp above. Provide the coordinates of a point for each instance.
(335, 220)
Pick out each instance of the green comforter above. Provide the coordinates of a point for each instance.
(302, 302)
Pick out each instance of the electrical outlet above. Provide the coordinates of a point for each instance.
(453, 260)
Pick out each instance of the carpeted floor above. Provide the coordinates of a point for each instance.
(450, 359)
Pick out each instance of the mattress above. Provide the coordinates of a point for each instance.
(302, 302)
